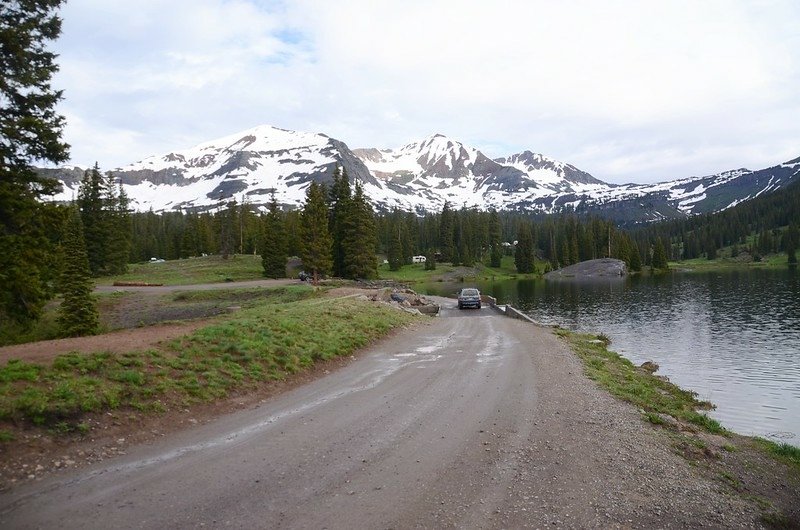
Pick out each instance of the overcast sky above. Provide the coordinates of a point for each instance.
(630, 91)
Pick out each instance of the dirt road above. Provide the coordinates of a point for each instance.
(473, 421)
(197, 286)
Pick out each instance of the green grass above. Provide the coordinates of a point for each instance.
(247, 296)
(649, 393)
(415, 272)
(771, 261)
(784, 452)
(445, 271)
(208, 269)
(265, 342)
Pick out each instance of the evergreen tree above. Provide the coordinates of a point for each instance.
(636, 258)
(316, 239)
(340, 199)
(446, 228)
(465, 253)
(790, 241)
(228, 223)
(495, 243)
(77, 315)
(395, 256)
(119, 236)
(273, 250)
(430, 260)
(30, 131)
(359, 238)
(659, 256)
(94, 216)
(523, 257)
(711, 249)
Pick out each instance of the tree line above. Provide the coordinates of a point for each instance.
(767, 224)
(468, 236)
(47, 248)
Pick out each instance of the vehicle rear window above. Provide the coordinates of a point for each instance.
(469, 292)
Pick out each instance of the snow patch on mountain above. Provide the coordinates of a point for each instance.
(420, 176)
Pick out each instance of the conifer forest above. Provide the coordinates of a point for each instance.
(49, 249)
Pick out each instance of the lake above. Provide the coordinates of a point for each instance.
(733, 337)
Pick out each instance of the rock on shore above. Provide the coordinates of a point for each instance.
(595, 268)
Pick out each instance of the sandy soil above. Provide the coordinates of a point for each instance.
(120, 341)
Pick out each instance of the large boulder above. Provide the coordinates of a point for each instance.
(594, 268)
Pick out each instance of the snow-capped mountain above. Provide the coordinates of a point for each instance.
(439, 169)
(249, 166)
(420, 176)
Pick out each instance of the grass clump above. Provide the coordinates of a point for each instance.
(650, 393)
(253, 296)
(263, 343)
(784, 452)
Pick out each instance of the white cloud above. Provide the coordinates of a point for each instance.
(627, 90)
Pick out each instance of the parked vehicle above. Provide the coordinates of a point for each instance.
(469, 297)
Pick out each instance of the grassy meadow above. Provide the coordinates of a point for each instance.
(416, 273)
(206, 269)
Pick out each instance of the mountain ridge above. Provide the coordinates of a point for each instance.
(420, 176)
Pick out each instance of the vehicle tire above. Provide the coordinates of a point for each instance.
(479, 306)
(460, 307)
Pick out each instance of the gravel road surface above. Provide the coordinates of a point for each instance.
(472, 421)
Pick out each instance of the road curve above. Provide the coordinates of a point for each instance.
(473, 420)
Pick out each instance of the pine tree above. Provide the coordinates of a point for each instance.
(340, 209)
(523, 256)
(573, 248)
(228, 222)
(273, 251)
(446, 228)
(92, 197)
(495, 235)
(636, 258)
(77, 315)
(316, 241)
(360, 238)
(659, 256)
(30, 130)
(118, 240)
(430, 260)
(395, 252)
(790, 241)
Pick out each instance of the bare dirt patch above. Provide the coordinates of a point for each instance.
(120, 341)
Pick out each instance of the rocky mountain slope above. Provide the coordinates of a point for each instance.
(420, 176)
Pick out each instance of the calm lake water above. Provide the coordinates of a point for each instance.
(732, 337)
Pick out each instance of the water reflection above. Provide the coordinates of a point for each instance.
(732, 337)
